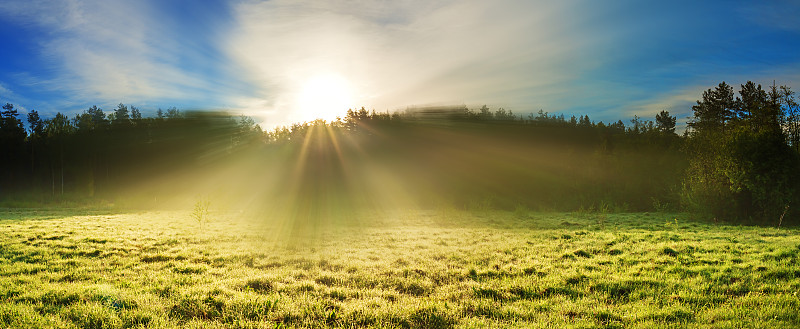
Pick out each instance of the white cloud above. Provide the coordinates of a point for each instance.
(8, 96)
(5, 92)
(559, 56)
(395, 54)
(677, 102)
(107, 51)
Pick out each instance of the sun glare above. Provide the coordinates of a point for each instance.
(325, 97)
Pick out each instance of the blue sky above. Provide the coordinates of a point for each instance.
(284, 61)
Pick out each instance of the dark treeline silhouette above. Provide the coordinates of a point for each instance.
(737, 160)
(95, 155)
(744, 153)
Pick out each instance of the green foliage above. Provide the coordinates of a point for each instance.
(762, 174)
(742, 167)
(715, 110)
(665, 123)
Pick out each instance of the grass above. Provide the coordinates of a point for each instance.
(421, 269)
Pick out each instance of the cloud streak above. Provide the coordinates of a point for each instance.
(571, 56)
(451, 52)
(111, 51)
(609, 60)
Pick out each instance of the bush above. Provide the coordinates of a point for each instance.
(747, 176)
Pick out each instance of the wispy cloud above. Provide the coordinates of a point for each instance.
(405, 53)
(8, 96)
(609, 60)
(110, 51)
(5, 92)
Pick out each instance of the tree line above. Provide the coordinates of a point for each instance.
(737, 160)
(94, 154)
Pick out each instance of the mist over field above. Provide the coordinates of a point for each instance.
(735, 162)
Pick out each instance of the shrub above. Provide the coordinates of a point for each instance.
(200, 212)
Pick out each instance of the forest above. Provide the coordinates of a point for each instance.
(737, 160)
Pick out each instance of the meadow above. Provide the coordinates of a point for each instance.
(440, 268)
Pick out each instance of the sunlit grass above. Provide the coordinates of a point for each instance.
(440, 268)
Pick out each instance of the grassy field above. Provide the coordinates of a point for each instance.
(423, 269)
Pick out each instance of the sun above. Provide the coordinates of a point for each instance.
(324, 96)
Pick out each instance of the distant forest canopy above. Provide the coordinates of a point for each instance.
(738, 159)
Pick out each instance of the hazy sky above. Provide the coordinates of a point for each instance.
(290, 60)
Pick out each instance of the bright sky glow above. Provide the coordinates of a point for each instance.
(610, 60)
(324, 97)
